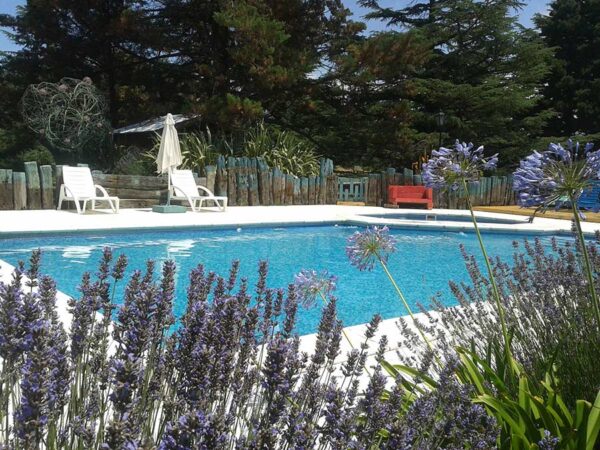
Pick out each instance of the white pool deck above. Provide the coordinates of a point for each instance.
(20, 223)
(15, 224)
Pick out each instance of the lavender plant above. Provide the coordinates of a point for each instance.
(556, 175)
(551, 315)
(229, 374)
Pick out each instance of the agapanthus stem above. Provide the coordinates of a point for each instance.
(495, 290)
(586, 260)
(403, 299)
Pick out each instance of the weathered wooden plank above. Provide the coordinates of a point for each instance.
(387, 178)
(408, 177)
(265, 185)
(304, 191)
(374, 190)
(242, 181)
(316, 185)
(6, 189)
(221, 177)
(132, 181)
(289, 190)
(138, 193)
(34, 192)
(278, 187)
(253, 194)
(332, 191)
(19, 190)
(47, 187)
(297, 198)
(211, 174)
(232, 181)
(325, 169)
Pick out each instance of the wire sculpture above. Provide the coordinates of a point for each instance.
(70, 115)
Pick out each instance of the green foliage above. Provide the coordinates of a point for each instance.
(536, 407)
(571, 30)
(484, 73)
(528, 410)
(39, 154)
(305, 66)
(133, 161)
(283, 149)
(14, 140)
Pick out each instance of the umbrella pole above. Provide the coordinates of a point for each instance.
(169, 186)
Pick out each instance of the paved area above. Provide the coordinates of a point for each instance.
(19, 223)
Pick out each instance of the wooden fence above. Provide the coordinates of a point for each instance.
(245, 181)
(372, 190)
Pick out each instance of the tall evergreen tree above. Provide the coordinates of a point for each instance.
(485, 72)
(232, 62)
(573, 86)
(107, 40)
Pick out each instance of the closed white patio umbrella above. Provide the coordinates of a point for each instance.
(169, 154)
(169, 158)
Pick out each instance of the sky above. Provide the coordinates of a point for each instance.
(532, 7)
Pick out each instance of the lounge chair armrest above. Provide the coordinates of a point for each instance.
(178, 191)
(67, 192)
(102, 190)
(206, 191)
(182, 193)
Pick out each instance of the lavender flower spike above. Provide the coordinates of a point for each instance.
(310, 283)
(366, 248)
(449, 167)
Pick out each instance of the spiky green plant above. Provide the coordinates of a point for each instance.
(288, 151)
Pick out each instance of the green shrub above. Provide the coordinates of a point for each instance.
(39, 154)
(288, 151)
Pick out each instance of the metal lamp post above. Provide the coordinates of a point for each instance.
(440, 120)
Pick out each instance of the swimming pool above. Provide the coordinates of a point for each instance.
(423, 264)
(445, 217)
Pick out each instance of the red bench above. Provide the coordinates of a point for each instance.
(410, 195)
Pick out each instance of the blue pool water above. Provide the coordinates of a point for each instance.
(423, 264)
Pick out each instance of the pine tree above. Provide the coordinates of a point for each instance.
(573, 86)
(485, 72)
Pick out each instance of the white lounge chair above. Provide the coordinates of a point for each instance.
(78, 186)
(184, 187)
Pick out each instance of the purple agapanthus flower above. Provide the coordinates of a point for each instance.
(556, 175)
(448, 167)
(365, 248)
(310, 284)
